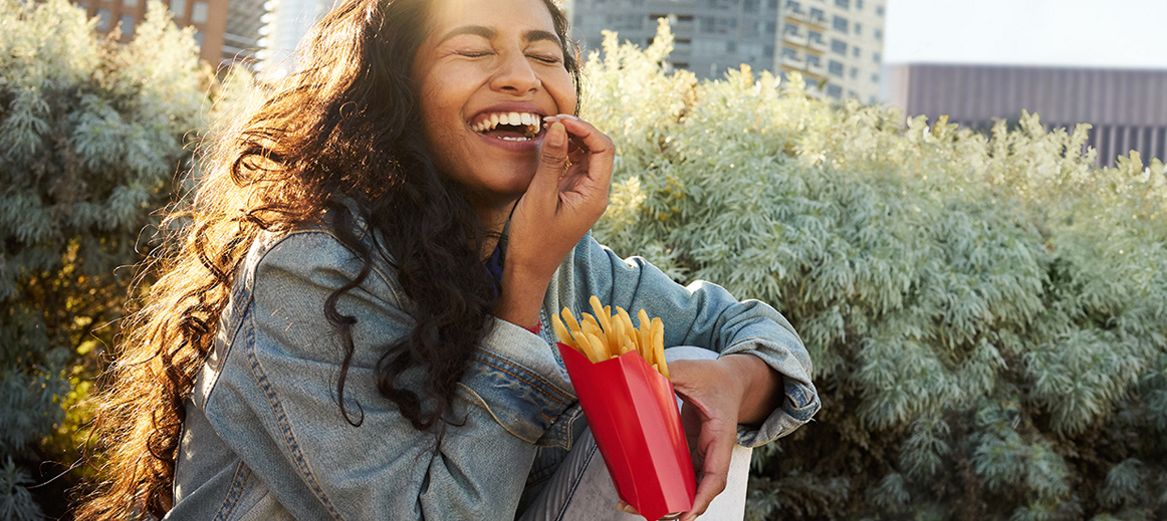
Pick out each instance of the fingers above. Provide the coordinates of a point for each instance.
(599, 146)
(714, 474)
(552, 160)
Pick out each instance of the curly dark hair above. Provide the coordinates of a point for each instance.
(342, 127)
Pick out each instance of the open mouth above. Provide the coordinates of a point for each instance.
(509, 126)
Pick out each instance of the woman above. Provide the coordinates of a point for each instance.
(355, 325)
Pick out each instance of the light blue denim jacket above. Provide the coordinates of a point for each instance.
(264, 437)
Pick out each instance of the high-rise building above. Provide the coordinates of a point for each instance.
(224, 29)
(241, 39)
(1127, 108)
(284, 25)
(835, 44)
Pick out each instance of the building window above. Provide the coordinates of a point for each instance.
(855, 51)
(127, 24)
(875, 78)
(845, 4)
(813, 61)
(858, 4)
(816, 36)
(839, 47)
(875, 57)
(794, 6)
(178, 8)
(789, 52)
(839, 23)
(858, 28)
(878, 34)
(768, 51)
(731, 46)
(835, 91)
(854, 73)
(817, 14)
(104, 19)
(773, 4)
(879, 10)
(198, 13)
(199, 39)
(790, 29)
(835, 68)
(130, 3)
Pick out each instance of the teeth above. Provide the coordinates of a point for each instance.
(533, 122)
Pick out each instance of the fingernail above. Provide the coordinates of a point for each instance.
(556, 138)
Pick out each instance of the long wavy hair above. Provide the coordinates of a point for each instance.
(342, 127)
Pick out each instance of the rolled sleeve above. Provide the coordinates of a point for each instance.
(705, 315)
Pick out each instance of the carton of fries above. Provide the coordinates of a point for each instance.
(621, 378)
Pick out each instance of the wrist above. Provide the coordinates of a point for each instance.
(761, 387)
(521, 297)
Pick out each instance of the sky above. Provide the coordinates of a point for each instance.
(1094, 33)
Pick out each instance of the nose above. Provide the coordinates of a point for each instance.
(515, 75)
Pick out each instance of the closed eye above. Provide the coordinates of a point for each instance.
(474, 54)
(544, 58)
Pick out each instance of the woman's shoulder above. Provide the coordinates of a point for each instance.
(314, 249)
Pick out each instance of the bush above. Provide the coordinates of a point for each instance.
(987, 313)
(91, 133)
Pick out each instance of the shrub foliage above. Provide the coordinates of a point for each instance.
(987, 313)
(91, 134)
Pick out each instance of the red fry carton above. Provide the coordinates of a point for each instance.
(632, 412)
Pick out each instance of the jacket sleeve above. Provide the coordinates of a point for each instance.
(278, 406)
(705, 315)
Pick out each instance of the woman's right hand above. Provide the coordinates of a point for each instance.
(567, 194)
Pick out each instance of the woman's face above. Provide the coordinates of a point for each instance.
(486, 74)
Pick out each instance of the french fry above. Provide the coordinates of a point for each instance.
(658, 336)
(561, 332)
(605, 335)
(644, 338)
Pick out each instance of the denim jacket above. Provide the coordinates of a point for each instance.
(264, 438)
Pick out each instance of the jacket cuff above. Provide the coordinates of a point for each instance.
(799, 403)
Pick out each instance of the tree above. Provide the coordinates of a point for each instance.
(987, 313)
(91, 135)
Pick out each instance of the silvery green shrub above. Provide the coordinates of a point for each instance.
(92, 133)
(987, 312)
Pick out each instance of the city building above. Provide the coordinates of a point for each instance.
(226, 30)
(1127, 108)
(835, 44)
(285, 23)
(241, 38)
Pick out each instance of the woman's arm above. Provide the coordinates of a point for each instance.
(706, 315)
(275, 402)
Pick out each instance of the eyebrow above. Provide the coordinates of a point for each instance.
(488, 33)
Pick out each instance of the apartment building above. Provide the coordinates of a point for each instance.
(1127, 108)
(284, 25)
(836, 45)
(224, 29)
(242, 34)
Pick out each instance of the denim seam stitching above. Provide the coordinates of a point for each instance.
(576, 483)
(486, 407)
(528, 377)
(286, 431)
(234, 492)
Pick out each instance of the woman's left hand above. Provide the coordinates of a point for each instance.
(713, 393)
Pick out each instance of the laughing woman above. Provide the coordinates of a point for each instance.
(353, 324)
